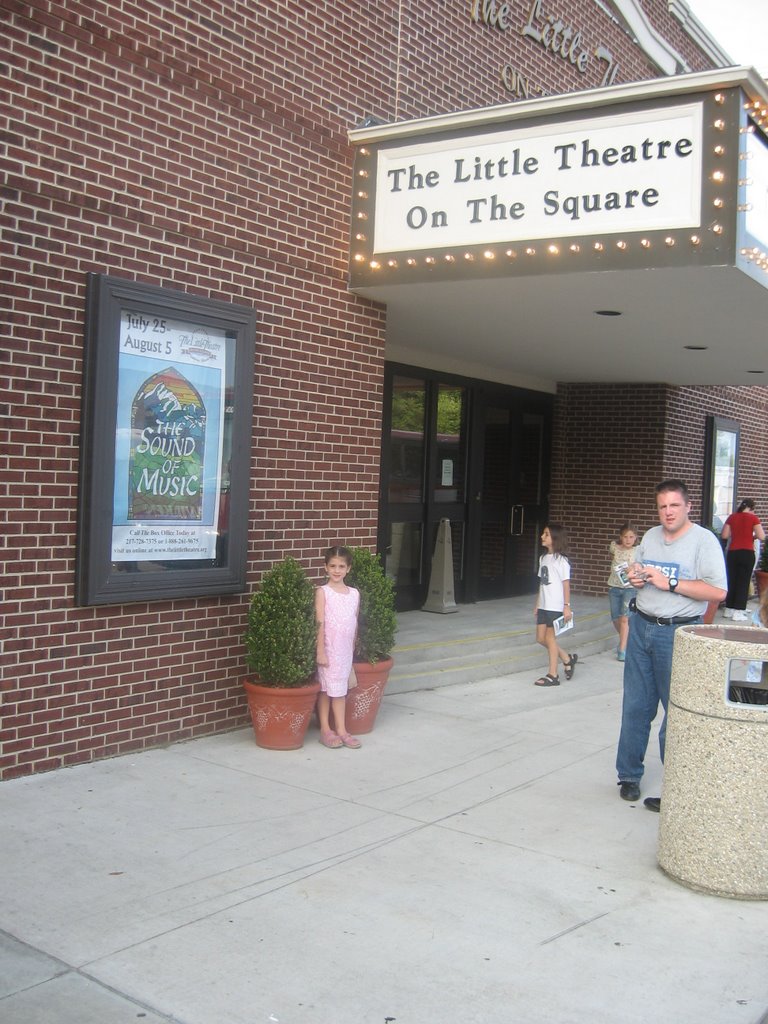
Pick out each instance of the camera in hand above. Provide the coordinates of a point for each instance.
(622, 571)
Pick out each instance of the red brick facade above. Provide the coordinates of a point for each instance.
(614, 443)
(204, 148)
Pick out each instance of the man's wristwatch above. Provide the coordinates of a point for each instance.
(673, 581)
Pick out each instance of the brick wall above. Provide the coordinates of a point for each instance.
(614, 443)
(163, 145)
(203, 147)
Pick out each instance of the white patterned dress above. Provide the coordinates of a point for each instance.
(339, 631)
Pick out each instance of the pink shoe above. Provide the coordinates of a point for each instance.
(350, 741)
(330, 739)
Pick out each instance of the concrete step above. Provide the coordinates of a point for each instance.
(486, 640)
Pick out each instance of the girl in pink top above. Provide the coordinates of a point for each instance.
(336, 609)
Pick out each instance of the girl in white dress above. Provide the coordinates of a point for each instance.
(336, 610)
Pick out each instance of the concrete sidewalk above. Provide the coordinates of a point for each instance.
(472, 863)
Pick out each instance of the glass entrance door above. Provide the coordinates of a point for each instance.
(456, 449)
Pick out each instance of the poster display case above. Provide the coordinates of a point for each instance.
(165, 444)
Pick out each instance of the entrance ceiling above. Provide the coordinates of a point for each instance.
(442, 207)
(547, 328)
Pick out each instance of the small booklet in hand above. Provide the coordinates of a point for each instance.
(560, 625)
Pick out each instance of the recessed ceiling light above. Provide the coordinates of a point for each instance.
(696, 348)
(607, 312)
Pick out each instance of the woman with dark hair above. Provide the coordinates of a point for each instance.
(741, 529)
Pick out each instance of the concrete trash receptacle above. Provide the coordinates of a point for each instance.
(713, 830)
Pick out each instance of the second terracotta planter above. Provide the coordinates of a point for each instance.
(364, 701)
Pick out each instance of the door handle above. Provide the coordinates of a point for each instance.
(513, 520)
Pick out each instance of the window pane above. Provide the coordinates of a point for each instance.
(403, 557)
(450, 463)
(406, 473)
(496, 457)
(725, 477)
(531, 459)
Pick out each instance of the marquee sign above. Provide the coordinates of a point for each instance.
(635, 171)
(519, 190)
(752, 239)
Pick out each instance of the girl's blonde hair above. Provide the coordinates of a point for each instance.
(628, 528)
(762, 609)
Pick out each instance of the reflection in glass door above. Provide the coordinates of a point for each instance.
(405, 493)
(425, 465)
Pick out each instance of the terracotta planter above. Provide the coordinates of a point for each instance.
(364, 700)
(280, 716)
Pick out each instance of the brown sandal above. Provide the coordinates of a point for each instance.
(548, 680)
(570, 666)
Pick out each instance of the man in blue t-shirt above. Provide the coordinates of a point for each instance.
(680, 568)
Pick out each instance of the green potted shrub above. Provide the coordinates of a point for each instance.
(280, 642)
(377, 625)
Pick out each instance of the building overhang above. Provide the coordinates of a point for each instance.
(505, 238)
